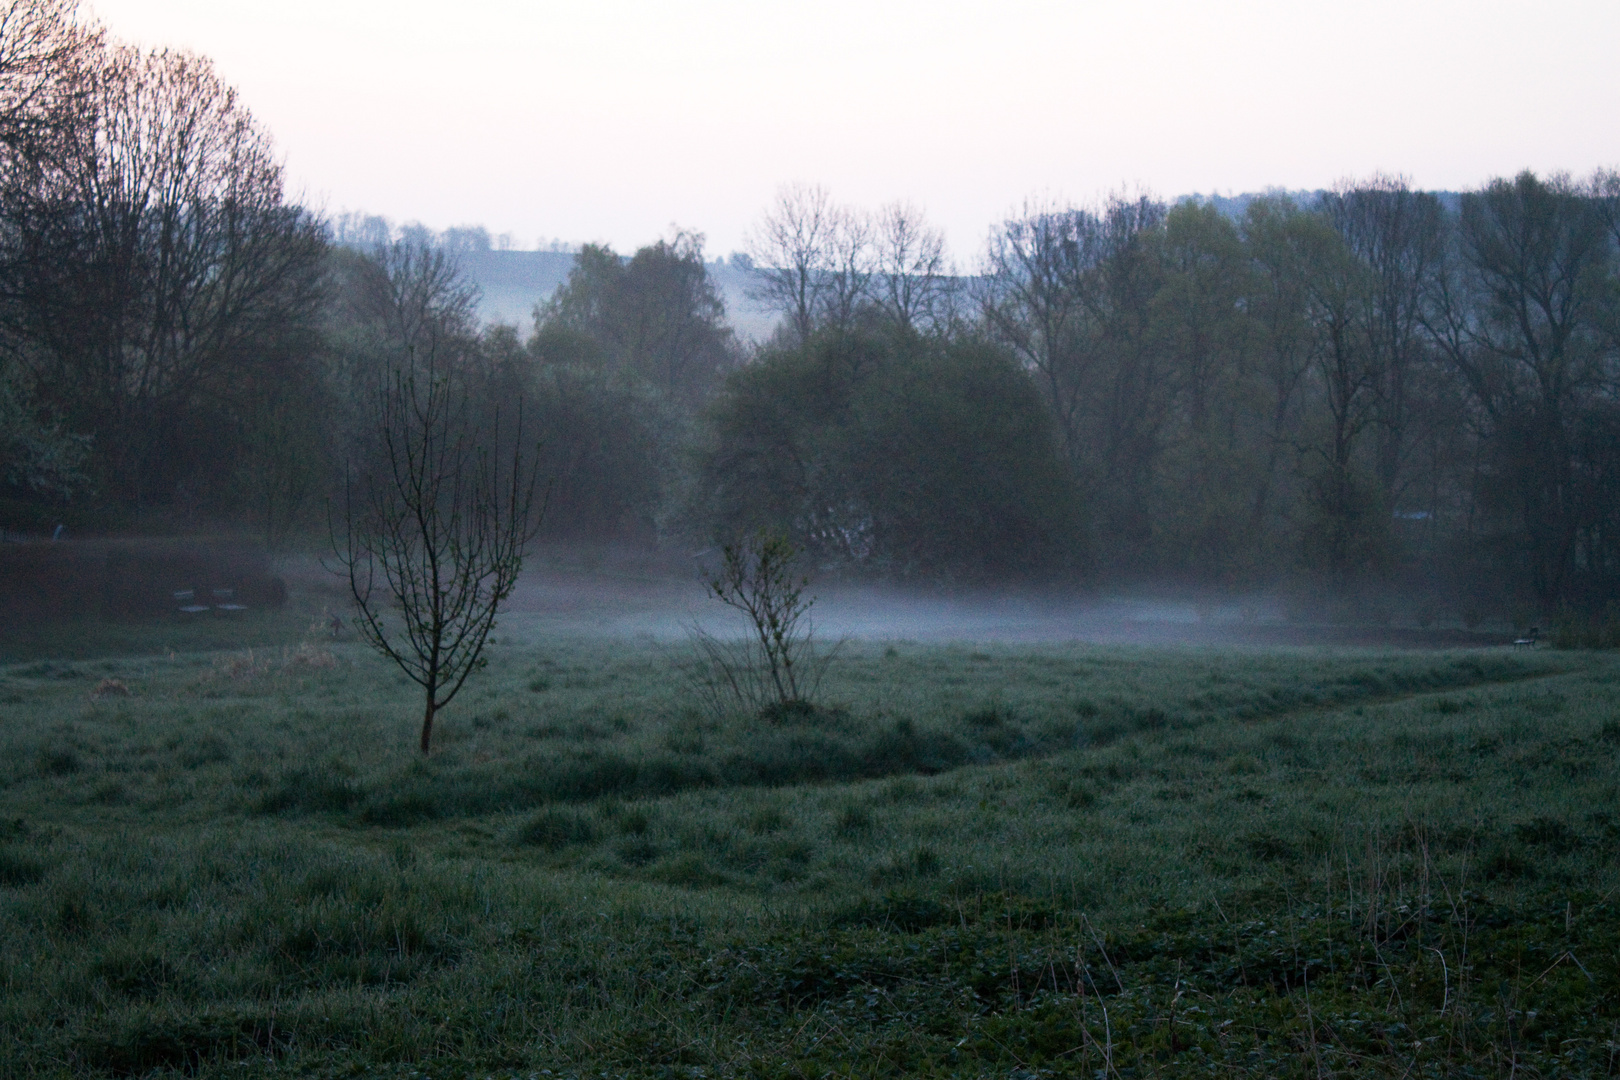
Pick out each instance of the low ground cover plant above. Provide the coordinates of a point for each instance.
(1051, 861)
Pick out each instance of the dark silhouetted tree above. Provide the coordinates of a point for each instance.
(158, 276)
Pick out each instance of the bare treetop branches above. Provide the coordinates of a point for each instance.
(827, 266)
(790, 248)
(910, 265)
(47, 60)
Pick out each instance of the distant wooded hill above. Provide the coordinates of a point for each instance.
(512, 282)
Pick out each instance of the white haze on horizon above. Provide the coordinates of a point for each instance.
(662, 606)
(610, 121)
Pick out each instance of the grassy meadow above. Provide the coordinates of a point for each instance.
(1019, 861)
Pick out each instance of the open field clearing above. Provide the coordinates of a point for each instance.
(1021, 859)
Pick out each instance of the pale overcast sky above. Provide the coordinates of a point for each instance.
(610, 120)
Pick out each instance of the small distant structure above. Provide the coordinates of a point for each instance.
(225, 602)
(1529, 640)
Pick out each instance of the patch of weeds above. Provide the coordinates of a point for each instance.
(986, 716)
(208, 750)
(925, 861)
(1549, 832)
(1079, 796)
(136, 972)
(1153, 719)
(19, 869)
(328, 789)
(794, 712)
(902, 912)
(109, 793)
(1267, 846)
(110, 687)
(853, 820)
(165, 1042)
(555, 828)
(58, 761)
(767, 820)
(1102, 732)
(637, 851)
(46, 669)
(678, 741)
(386, 942)
(903, 790)
(1506, 862)
(401, 810)
(688, 870)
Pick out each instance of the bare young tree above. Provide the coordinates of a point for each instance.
(436, 524)
(777, 669)
(791, 249)
(911, 267)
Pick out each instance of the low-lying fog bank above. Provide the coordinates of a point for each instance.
(624, 592)
(665, 606)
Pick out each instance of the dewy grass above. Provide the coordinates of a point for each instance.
(1059, 860)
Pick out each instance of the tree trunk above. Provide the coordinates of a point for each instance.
(427, 723)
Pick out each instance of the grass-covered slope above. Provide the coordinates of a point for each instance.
(1032, 861)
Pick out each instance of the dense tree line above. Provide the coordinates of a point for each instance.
(1373, 389)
